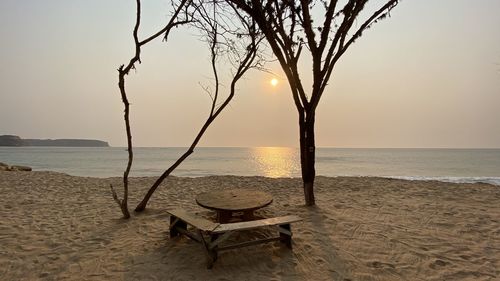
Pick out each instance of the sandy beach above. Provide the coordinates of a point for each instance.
(59, 227)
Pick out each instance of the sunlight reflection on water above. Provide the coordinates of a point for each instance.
(276, 161)
(457, 165)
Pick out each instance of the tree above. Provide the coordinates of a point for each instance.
(230, 36)
(233, 36)
(326, 29)
(123, 71)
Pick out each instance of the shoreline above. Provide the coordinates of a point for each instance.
(492, 180)
(57, 226)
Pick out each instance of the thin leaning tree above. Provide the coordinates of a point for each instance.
(232, 38)
(180, 16)
(326, 29)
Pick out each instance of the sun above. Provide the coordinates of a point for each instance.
(274, 82)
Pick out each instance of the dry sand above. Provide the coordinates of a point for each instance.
(57, 227)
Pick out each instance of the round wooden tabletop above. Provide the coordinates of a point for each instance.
(234, 200)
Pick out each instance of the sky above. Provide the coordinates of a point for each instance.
(427, 77)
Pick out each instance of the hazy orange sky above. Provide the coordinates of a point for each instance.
(429, 76)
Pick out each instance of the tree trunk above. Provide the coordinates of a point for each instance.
(307, 157)
(125, 212)
(141, 206)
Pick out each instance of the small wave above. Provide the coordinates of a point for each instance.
(489, 180)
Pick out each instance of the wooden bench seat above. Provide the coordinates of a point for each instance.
(212, 234)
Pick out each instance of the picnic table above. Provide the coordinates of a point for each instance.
(231, 201)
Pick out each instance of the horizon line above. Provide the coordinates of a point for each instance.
(296, 147)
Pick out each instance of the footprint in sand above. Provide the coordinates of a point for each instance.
(377, 264)
(320, 261)
(438, 263)
(465, 257)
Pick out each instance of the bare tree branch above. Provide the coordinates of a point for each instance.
(124, 71)
(211, 25)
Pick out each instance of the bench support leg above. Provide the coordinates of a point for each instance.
(286, 234)
(213, 238)
(211, 253)
(174, 224)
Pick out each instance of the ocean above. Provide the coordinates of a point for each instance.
(455, 165)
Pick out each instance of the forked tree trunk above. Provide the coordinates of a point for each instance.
(289, 29)
(307, 156)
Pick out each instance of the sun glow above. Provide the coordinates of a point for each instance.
(274, 82)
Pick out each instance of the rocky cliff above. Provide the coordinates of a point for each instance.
(10, 140)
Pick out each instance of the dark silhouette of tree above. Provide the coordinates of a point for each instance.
(326, 29)
(236, 39)
(230, 36)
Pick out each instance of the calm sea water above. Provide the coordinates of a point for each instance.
(458, 165)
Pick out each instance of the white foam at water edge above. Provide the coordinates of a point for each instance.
(490, 180)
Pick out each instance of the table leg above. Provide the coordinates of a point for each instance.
(248, 216)
(224, 216)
